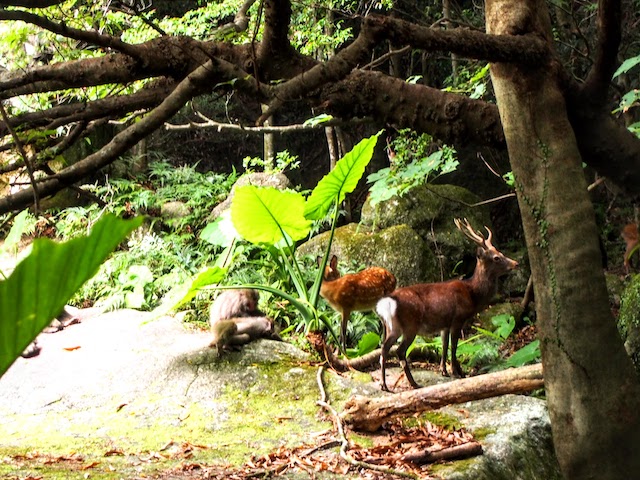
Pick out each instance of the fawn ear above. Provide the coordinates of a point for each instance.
(319, 260)
(334, 262)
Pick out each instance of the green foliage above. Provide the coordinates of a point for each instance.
(284, 161)
(368, 343)
(630, 99)
(472, 81)
(274, 220)
(170, 259)
(483, 349)
(416, 162)
(268, 215)
(23, 224)
(627, 65)
(315, 33)
(43, 282)
(167, 260)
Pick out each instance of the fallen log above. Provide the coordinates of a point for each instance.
(456, 452)
(368, 414)
(362, 364)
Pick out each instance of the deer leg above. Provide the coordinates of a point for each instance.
(444, 335)
(346, 314)
(455, 365)
(402, 356)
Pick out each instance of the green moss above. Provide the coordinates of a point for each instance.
(442, 419)
(481, 433)
(238, 422)
(629, 307)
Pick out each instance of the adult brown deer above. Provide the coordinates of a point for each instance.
(354, 292)
(444, 306)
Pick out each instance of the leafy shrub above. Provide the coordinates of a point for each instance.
(415, 161)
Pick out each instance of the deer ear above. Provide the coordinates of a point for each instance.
(319, 260)
(334, 262)
(480, 252)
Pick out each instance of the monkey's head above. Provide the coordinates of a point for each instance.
(251, 299)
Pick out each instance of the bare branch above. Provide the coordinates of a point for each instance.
(75, 112)
(196, 83)
(240, 21)
(208, 123)
(522, 49)
(165, 56)
(25, 159)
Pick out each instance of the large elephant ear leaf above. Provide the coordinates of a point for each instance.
(341, 180)
(41, 284)
(266, 214)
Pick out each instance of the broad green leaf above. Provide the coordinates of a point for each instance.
(15, 234)
(527, 354)
(341, 180)
(182, 294)
(368, 343)
(627, 65)
(47, 278)
(265, 215)
(505, 324)
(220, 232)
(317, 120)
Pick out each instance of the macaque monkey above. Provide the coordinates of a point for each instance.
(241, 330)
(235, 320)
(630, 236)
(235, 303)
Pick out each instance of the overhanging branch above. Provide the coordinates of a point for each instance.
(194, 84)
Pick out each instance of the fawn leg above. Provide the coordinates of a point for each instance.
(346, 314)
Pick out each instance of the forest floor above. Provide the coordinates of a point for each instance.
(124, 395)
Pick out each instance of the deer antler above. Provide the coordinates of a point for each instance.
(466, 228)
(488, 240)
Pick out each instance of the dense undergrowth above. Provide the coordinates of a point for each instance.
(169, 250)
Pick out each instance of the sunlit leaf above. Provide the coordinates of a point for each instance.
(341, 180)
(627, 65)
(220, 232)
(525, 355)
(181, 294)
(47, 278)
(265, 215)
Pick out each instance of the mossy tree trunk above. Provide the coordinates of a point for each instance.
(592, 391)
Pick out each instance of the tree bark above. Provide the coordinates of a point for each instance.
(592, 390)
(364, 413)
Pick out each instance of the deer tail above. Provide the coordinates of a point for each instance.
(386, 309)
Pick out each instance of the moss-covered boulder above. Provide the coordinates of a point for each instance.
(615, 288)
(507, 308)
(430, 210)
(399, 249)
(629, 319)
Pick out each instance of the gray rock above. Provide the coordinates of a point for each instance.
(126, 382)
(174, 210)
(516, 440)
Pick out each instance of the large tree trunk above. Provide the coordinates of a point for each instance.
(592, 390)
